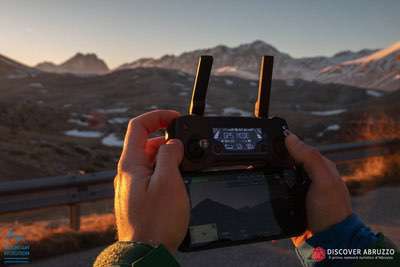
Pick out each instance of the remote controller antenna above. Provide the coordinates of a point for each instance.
(261, 107)
(198, 102)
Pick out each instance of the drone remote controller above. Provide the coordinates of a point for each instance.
(225, 157)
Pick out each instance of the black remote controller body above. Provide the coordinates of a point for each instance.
(234, 150)
(212, 142)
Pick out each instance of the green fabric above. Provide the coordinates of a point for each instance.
(159, 256)
(131, 254)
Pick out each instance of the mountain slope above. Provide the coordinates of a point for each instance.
(378, 70)
(12, 69)
(78, 64)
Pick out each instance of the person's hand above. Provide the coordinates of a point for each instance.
(327, 200)
(151, 203)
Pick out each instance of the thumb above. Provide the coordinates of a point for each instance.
(169, 157)
(308, 156)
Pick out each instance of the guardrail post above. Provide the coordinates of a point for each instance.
(75, 216)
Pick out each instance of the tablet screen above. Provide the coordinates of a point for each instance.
(230, 207)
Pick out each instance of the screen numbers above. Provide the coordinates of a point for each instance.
(238, 139)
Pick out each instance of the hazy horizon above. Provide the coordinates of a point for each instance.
(125, 31)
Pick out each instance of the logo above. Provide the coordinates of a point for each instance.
(16, 251)
(318, 254)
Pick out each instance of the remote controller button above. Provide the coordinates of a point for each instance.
(290, 178)
(204, 143)
(194, 149)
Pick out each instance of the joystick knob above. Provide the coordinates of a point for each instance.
(204, 143)
(196, 148)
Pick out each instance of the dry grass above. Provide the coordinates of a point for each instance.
(375, 171)
(55, 237)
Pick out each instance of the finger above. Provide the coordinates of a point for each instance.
(139, 128)
(312, 160)
(152, 147)
(169, 157)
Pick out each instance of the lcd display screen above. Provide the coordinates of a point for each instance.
(230, 207)
(238, 139)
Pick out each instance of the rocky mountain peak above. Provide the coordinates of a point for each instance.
(80, 63)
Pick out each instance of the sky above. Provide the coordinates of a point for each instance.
(119, 31)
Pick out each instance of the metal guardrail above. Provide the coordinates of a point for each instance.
(23, 195)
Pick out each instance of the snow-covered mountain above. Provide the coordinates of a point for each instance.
(82, 64)
(12, 69)
(378, 70)
(243, 61)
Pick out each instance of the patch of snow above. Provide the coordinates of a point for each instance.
(226, 69)
(36, 85)
(228, 82)
(153, 107)
(232, 110)
(112, 110)
(179, 84)
(112, 140)
(78, 122)
(333, 127)
(374, 93)
(118, 120)
(87, 116)
(253, 83)
(84, 134)
(17, 76)
(234, 71)
(289, 82)
(375, 56)
(181, 73)
(328, 112)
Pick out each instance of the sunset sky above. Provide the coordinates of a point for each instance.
(122, 31)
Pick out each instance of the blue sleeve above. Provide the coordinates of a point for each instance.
(351, 233)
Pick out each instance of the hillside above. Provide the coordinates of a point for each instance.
(12, 69)
(53, 124)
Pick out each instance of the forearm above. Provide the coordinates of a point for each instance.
(129, 254)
